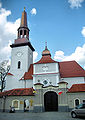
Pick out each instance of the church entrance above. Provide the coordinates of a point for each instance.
(51, 101)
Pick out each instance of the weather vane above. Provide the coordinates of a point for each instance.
(45, 45)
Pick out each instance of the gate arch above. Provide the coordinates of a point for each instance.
(51, 101)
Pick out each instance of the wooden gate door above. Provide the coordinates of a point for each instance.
(51, 101)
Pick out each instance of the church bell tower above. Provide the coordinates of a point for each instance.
(22, 50)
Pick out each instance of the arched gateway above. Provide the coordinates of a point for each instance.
(51, 101)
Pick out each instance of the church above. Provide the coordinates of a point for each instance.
(46, 85)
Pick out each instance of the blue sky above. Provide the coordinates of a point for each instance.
(59, 22)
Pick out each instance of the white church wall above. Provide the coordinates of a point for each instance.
(22, 54)
(47, 79)
(29, 83)
(46, 68)
(12, 82)
(73, 80)
(25, 56)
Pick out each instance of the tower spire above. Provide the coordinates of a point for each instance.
(23, 30)
(24, 19)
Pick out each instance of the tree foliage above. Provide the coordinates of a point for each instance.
(4, 69)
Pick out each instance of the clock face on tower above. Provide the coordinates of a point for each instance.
(19, 54)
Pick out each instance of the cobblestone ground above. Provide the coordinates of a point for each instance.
(38, 116)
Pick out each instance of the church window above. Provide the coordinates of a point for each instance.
(24, 32)
(38, 80)
(45, 82)
(83, 101)
(19, 64)
(20, 32)
(77, 102)
(15, 104)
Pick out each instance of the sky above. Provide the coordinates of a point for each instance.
(60, 23)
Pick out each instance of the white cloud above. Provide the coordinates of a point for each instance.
(35, 54)
(59, 55)
(83, 31)
(8, 32)
(75, 3)
(78, 55)
(33, 11)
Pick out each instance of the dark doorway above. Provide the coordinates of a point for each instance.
(51, 101)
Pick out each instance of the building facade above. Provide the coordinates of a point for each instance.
(40, 86)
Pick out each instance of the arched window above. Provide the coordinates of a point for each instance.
(15, 104)
(24, 32)
(20, 32)
(19, 64)
(77, 102)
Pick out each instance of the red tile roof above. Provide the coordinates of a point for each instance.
(71, 69)
(45, 59)
(28, 75)
(67, 69)
(77, 88)
(18, 92)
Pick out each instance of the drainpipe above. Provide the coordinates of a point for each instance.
(4, 100)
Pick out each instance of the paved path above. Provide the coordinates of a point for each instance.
(38, 116)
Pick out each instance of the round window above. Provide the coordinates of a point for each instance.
(45, 82)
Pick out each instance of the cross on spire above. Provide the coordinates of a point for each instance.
(45, 45)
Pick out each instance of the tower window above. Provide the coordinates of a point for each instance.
(20, 32)
(19, 64)
(24, 32)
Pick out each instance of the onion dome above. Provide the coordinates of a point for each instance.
(46, 57)
(46, 51)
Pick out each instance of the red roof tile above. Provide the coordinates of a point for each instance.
(71, 69)
(77, 88)
(66, 69)
(45, 59)
(18, 92)
(28, 75)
